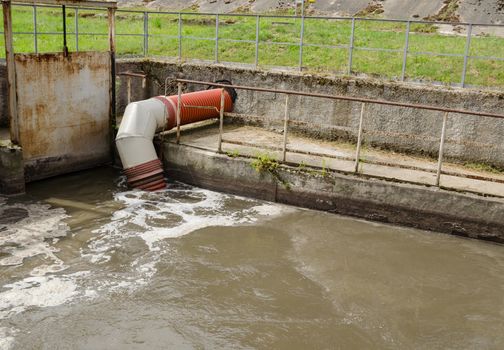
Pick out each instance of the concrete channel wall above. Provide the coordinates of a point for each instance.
(422, 207)
(469, 138)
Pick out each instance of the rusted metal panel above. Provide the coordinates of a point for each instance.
(63, 111)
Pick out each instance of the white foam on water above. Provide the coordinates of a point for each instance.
(29, 236)
(210, 210)
(7, 338)
(38, 291)
(151, 217)
(157, 216)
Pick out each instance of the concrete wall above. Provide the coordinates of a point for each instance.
(4, 117)
(470, 139)
(372, 199)
(11, 169)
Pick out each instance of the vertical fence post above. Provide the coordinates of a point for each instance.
(179, 110)
(466, 54)
(128, 89)
(350, 47)
(286, 127)
(180, 36)
(221, 120)
(359, 138)
(301, 43)
(405, 53)
(11, 72)
(146, 33)
(441, 149)
(35, 41)
(76, 29)
(217, 38)
(257, 41)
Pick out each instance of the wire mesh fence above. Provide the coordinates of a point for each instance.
(457, 54)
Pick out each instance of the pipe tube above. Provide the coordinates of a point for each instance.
(143, 119)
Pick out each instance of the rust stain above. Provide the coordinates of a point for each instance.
(63, 104)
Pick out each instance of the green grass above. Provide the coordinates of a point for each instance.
(279, 43)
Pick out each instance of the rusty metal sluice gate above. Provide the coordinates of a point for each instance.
(62, 104)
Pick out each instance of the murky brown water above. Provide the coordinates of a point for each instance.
(86, 264)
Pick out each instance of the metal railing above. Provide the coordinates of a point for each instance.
(177, 23)
(360, 131)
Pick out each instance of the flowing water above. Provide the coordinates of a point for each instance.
(87, 264)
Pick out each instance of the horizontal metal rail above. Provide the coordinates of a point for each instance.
(436, 171)
(345, 98)
(367, 161)
(180, 19)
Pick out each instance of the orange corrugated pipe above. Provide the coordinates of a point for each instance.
(188, 115)
(142, 168)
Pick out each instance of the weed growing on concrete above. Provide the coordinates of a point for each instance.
(302, 166)
(323, 172)
(484, 167)
(264, 163)
(233, 153)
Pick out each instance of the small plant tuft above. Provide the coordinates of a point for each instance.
(233, 153)
(264, 163)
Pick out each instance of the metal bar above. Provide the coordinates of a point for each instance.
(146, 34)
(81, 3)
(350, 47)
(179, 109)
(94, 5)
(377, 49)
(65, 47)
(370, 161)
(466, 54)
(359, 138)
(441, 149)
(346, 98)
(132, 74)
(197, 38)
(281, 43)
(217, 38)
(427, 53)
(180, 36)
(310, 17)
(286, 126)
(221, 120)
(144, 86)
(301, 43)
(258, 18)
(11, 73)
(112, 108)
(166, 86)
(238, 41)
(111, 33)
(491, 58)
(35, 41)
(327, 46)
(128, 89)
(77, 29)
(405, 54)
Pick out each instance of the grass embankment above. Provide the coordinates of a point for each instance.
(391, 36)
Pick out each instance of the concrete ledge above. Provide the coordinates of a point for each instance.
(42, 168)
(372, 199)
(11, 169)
